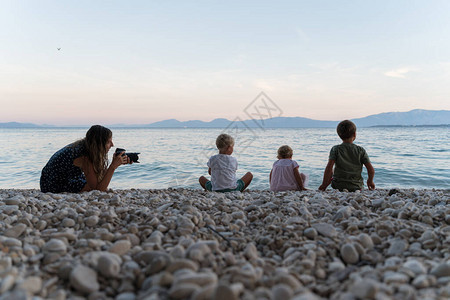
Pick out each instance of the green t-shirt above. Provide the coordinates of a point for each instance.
(349, 160)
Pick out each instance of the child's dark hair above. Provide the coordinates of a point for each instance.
(346, 129)
(285, 152)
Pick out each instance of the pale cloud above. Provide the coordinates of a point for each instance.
(302, 35)
(326, 66)
(400, 72)
(264, 85)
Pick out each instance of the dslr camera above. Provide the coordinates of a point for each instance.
(132, 155)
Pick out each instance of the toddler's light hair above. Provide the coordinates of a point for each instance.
(223, 141)
(285, 152)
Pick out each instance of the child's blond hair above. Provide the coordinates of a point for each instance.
(223, 141)
(285, 152)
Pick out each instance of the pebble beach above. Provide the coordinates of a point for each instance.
(189, 244)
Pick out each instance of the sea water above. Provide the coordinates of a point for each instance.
(403, 157)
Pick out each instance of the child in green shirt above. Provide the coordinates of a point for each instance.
(347, 159)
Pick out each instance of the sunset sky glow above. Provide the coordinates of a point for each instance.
(138, 62)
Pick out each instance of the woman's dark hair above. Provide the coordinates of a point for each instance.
(95, 146)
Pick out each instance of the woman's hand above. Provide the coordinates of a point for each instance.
(119, 159)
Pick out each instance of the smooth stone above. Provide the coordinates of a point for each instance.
(115, 200)
(55, 245)
(250, 251)
(310, 233)
(395, 277)
(443, 280)
(442, 270)
(32, 284)
(154, 222)
(91, 221)
(238, 215)
(12, 242)
(158, 264)
(366, 240)
(182, 291)
(108, 265)
(288, 279)
(14, 201)
(41, 225)
(336, 266)
(15, 231)
(416, 266)
(163, 279)
(224, 292)
(343, 213)
(200, 279)
(325, 229)
(198, 251)
(178, 264)
(281, 291)
(162, 228)
(156, 237)
(5, 263)
(422, 281)
(177, 252)
(68, 235)
(307, 296)
(84, 279)
(7, 283)
(120, 247)
(184, 226)
(147, 257)
(68, 222)
(397, 248)
(205, 293)
(126, 296)
(349, 254)
(364, 289)
(8, 209)
(377, 202)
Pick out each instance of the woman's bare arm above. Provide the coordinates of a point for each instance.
(91, 175)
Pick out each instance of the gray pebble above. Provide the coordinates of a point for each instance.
(84, 279)
(349, 254)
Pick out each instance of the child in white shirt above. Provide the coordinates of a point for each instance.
(222, 168)
(284, 175)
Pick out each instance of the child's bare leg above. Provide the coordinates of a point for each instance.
(202, 180)
(247, 178)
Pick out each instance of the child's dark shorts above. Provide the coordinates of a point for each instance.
(240, 187)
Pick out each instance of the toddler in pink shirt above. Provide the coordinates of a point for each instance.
(284, 175)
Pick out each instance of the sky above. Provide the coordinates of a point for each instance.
(138, 62)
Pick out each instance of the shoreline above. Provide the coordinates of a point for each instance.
(186, 243)
(248, 190)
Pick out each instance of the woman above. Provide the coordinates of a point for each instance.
(82, 165)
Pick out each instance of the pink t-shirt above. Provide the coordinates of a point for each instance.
(283, 178)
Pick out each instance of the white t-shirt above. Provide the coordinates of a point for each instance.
(223, 171)
(283, 178)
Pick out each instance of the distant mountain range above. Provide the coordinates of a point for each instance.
(417, 117)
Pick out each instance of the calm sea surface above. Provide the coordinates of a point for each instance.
(402, 157)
